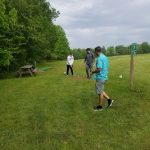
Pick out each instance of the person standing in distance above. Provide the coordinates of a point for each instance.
(89, 59)
(101, 76)
(70, 61)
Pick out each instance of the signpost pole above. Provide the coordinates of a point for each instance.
(131, 72)
(132, 63)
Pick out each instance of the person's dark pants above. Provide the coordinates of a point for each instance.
(89, 68)
(71, 68)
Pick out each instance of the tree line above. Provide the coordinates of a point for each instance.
(28, 34)
(115, 50)
(125, 50)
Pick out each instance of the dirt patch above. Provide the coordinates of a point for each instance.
(78, 78)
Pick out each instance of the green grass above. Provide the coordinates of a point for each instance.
(54, 112)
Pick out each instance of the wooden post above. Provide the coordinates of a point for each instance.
(133, 49)
(131, 72)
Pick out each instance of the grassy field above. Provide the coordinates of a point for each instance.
(54, 112)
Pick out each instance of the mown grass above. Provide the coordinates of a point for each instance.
(54, 112)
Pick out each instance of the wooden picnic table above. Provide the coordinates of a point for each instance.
(28, 69)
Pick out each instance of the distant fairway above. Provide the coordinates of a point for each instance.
(54, 112)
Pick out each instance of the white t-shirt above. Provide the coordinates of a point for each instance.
(70, 60)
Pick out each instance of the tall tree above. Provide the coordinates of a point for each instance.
(27, 32)
(104, 49)
(7, 36)
(62, 44)
(145, 47)
(35, 24)
(111, 51)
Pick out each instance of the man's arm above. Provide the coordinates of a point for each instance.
(98, 67)
(67, 61)
(96, 71)
(72, 61)
(93, 57)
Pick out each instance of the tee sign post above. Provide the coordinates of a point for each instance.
(133, 49)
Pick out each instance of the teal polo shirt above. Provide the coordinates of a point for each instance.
(103, 63)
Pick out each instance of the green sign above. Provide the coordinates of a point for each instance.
(133, 48)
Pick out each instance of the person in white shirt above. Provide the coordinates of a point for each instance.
(70, 61)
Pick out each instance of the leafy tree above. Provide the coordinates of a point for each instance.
(122, 50)
(111, 51)
(7, 26)
(27, 32)
(145, 47)
(62, 45)
(104, 50)
(79, 53)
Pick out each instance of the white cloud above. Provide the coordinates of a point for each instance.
(104, 22)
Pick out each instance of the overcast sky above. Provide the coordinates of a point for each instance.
(89, 23)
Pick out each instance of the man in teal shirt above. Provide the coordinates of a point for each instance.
(101, 76)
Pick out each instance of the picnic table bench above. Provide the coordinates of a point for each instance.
(28, 69)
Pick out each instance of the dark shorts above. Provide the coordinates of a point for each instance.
(100, 86)
(89, 66)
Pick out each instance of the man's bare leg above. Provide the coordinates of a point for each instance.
(100, 103)
(106, 96)
(90, 72)
(101, 99)
(110, 101)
